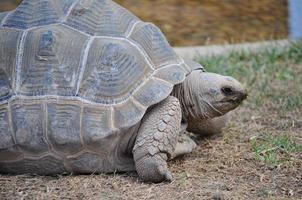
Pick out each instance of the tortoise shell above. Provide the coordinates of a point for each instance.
(75, 70)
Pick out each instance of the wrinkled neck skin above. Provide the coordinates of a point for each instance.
(197, 112)
(192, 105)
(208, 127)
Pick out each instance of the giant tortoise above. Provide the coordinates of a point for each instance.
(87, 87)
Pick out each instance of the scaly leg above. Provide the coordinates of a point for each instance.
(185, 145)
(156, 141)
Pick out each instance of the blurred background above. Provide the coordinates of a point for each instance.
(205, 22)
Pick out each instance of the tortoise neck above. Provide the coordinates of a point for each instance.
(178, 92)
(187, 93)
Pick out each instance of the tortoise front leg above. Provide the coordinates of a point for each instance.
(156, 141)
(185, 145)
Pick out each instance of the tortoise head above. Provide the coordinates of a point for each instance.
(206, 95)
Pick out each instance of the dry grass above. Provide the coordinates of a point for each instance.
(228, 166)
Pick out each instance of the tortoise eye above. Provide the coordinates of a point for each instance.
(227, 91)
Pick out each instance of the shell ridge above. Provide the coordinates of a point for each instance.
(10, 122)
(132, 28)
(167, 82)
(111, 118)
(119, 13)
(4, 19)
(19, 58)
(64, 18)
(83, 63)
(152, 40)
(104, 17)
(47, 141)
(81, 125)
(138, 104)
(140, 49)
(72, 28)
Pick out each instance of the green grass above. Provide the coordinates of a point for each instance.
(272, 76)
(275, 150)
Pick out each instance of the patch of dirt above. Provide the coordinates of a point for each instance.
(222, 167)
(199, 22)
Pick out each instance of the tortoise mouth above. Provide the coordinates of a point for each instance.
(236, 102)
(225, 106)
(236, 98)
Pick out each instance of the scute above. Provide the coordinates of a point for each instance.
(87, 163)
(44, 166)
(154, 91)
(127, 114)
(151, 39)
(96, 126)
(93, 51)
(5, 130)
(29, 126)
(51, 61)
(101, 18)
(8, 50)
(174, 74)
(64, 130)
(5, 88)
(191, 65)
(7, 145)
(2, 16)
(115, 68)
(31, 13)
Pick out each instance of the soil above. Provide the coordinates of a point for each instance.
(222, 167)
(199, 22)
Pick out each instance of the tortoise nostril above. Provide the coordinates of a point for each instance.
(227, 91)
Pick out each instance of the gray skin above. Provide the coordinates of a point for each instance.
(90, 88)
(200, 99)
